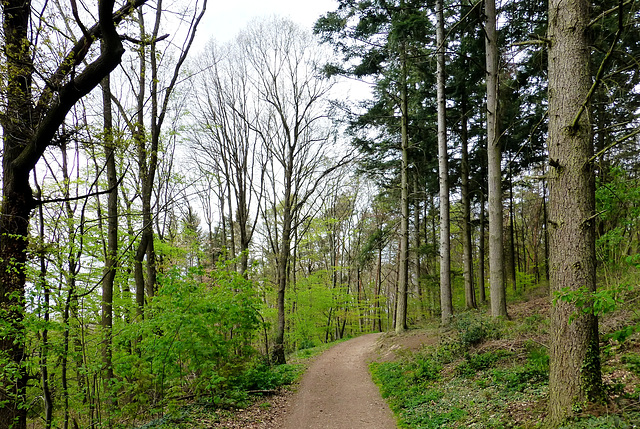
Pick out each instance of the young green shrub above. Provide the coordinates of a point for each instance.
(195, 338)
(260, 376)
(474, 329)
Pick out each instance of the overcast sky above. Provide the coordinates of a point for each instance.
(224, 19)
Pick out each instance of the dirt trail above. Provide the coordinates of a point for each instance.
(336, 392)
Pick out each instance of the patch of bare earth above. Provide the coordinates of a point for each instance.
(337, 392)
(265, 413)
(390, 345)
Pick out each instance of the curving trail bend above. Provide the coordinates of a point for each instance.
(337, 392)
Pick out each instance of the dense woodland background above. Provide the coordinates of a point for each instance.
(199, 215)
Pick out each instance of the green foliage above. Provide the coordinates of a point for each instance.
(411, 387)
(262, 376)
(476, 362)
(197, 416)
(475, 328)
(618, 206)
(602, 301)
(317, 302)
(602, 422)
(621, 335)
(632, 362)
(405, 384)
(195, 338)
(534, 372)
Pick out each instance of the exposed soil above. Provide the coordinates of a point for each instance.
(336, 392)
(267, 413)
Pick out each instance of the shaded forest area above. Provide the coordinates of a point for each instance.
(175, 223)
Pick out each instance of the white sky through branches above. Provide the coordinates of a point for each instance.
(224, 19)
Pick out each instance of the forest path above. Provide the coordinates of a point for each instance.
(337, 392)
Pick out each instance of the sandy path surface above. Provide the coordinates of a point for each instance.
(336, 392)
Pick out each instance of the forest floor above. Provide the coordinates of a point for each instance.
(336, 392)
(495, 375)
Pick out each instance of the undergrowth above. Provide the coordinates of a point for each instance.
(258, 380)
(487, 373)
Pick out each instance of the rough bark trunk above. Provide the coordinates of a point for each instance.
(418, 244)
(545, 222)
(282, 266)
(513, 238)
(575, 375)
(403, 275)
(446, 306)
(111, 257)
(494, 158)
(377, 315)
(467, 253)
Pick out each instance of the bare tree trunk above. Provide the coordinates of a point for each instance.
(545, 216)
(111, 257)
(377, 315)
(575, 376)
(46, 316)
(446, 305)
(513, 258)
(481, 251)
(494, 156)
(282, 267)
(139, 136)
(403, 275)
(418, 245)
(467, 250)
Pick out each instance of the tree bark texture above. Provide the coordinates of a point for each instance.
(446, 305)
(494, 158)
(575, 375)
(403, 275)
(467, 254)
(111, 257)
(481, 253)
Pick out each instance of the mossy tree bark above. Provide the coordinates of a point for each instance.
(575, 376)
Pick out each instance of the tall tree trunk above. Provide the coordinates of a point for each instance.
(111, 256)
(46, 316)
(282, 267)
(481, 252)
(545, 223)
(467, 253)
(403, 275)
(377, 315)
(446, 305)
(574, 376)
(418, 245)
(513, 250)
(494, 157)
(17, 204)
(139, 136)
